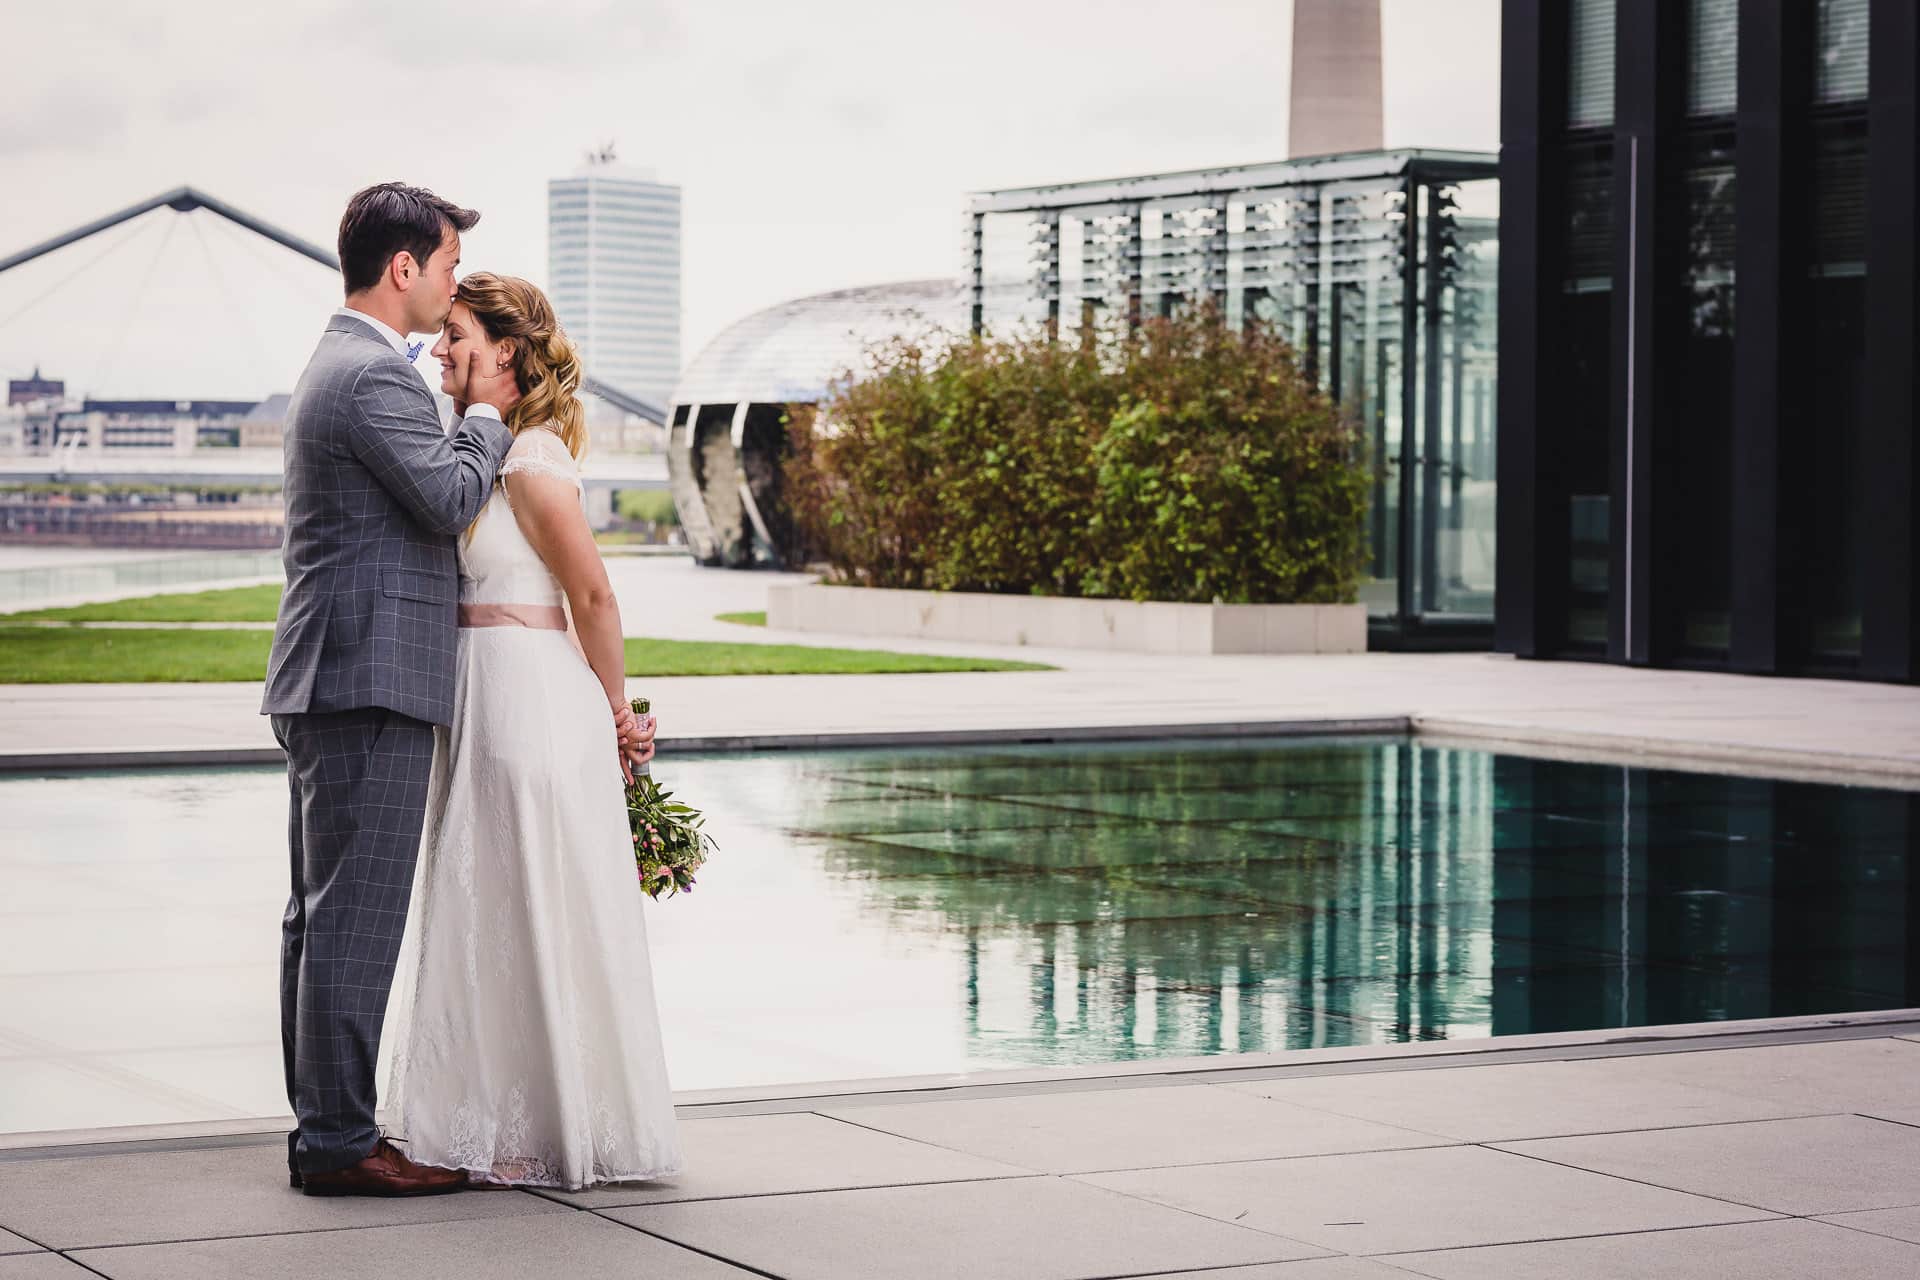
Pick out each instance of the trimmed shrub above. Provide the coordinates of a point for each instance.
(1186, 462)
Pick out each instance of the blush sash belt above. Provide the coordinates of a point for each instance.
(542, 617)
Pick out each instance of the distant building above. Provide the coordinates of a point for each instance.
(29, 390)
(264, 425)
(613, 267)
(1335, 97)
(173, 426)
(36, 420)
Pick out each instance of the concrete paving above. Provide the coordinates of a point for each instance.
(1820, 729)
(1705, 1151)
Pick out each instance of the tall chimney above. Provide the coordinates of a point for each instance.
(1336, 78)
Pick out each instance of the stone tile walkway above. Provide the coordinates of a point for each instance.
(1764, 1151)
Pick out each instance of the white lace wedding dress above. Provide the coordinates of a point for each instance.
(526, 1041)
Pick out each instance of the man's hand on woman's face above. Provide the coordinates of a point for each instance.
(480, 385)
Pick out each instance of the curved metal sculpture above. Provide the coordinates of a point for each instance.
(728, 440)
(187, 199)
(180, 200)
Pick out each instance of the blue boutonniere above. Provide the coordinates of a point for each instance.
(413, 351)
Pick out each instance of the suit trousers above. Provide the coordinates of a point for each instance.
(358, 781)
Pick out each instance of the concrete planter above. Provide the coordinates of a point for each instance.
(1050, 622)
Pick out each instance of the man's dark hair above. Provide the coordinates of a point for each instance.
(385, 219)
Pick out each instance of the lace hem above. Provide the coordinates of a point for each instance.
(537, 1173)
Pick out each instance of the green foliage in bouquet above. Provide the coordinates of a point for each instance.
(669, 844)
(1185, 461)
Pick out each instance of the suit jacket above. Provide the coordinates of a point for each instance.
(376, 493)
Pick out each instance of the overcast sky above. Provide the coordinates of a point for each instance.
(819, 144)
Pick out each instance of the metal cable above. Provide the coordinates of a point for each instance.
(134, 233)
(233, 297)
(132, 305)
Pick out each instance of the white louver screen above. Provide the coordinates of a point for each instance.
(1840, 52)
(1713, 57)
(1590, 65)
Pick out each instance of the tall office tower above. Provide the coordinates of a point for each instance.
(1336, 78)
(613, 264)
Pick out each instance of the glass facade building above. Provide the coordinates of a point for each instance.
(613, 270)
(1380, 268)
(1708, 297)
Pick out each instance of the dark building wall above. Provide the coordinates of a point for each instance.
(1708, 327)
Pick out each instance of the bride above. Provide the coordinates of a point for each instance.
(531, 1053)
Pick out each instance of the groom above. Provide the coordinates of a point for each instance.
(362, 666)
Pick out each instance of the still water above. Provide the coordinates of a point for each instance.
(32, 577)
(875, 913)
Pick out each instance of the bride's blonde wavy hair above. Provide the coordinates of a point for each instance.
(545, 363)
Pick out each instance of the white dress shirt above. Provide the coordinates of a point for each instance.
(398, 342)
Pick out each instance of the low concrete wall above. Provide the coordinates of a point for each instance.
(1052, 622)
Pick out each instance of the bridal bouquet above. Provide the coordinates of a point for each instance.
(668, 843)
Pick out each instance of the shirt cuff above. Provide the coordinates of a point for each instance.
(483, 411)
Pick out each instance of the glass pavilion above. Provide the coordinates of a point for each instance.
(1380, 268)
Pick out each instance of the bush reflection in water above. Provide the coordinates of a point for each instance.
(1120, 901)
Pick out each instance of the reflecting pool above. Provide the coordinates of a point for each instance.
(890, 912)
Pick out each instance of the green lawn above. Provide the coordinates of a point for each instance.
(57, 655)
(236, 604)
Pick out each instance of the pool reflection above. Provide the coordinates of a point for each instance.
(1122, 901)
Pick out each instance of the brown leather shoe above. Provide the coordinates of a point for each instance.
(385, 1172)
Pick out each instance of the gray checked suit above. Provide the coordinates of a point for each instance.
(362, 669)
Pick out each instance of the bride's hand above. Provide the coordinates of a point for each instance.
(634, 739)
(625, 723)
